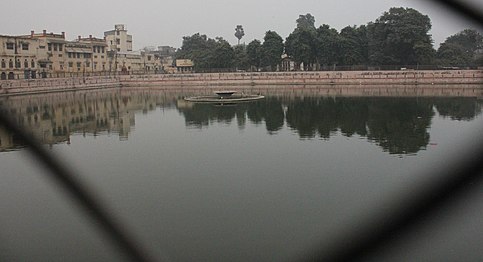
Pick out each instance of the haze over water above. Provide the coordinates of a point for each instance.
(261, 181)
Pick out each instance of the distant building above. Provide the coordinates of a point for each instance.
(41, 55)
(18, 57)
(184, 65)
(118, 40)
(31, 56)
(96, 61)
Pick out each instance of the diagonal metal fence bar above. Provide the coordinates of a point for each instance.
(467, 170)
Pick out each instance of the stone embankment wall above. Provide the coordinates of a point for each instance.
(321, 78)
(46, 85)
(403, 77)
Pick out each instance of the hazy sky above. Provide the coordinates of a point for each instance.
(154, 22)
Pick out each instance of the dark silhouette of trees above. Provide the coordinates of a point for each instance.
(461, 49)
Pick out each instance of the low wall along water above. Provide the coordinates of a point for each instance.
(387, 78)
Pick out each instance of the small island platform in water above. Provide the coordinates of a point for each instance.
(224, 97)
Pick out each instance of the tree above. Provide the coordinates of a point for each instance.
(254, 53)
(353, 46)
(400, 37)
(306, 22)
(272, 50)
(239, 32)
(206, 53)
(327, 43)
(241, 58)
(461, 49)
(223, 55)
(300, 45)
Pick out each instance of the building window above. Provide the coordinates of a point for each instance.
(42, 47)
(78, 64)
(10, 46)
(87, 55)
(71, 64)
(61, 47)
(32, 63)
(55, 47)
(49, 46)
(10, 63)
(3, 64)
(102, 49)
(117, 32)
(25, 46)
(149, 58)
(69, 55)
(60, 55)
(118, 41)
(26, 63)
(88, 64)
(17, 64)
(78, 55)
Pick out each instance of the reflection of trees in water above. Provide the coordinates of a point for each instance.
(461, 108)
(398, 125)
(269, 112)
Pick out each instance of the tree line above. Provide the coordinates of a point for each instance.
(399, 37)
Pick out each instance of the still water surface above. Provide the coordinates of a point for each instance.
(261, 181)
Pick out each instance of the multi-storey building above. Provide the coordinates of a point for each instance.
(41, 55)
(50, 52)
(18, 57)
(86, 55)
(118, 40)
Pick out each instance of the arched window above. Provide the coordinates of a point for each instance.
(26, 63)
(3, 76)
(10, 63)
(11, 75)
(32, 64)
(17, 63)
(3, 63)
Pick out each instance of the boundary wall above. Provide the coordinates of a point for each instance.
(472, 78)
(403, 77)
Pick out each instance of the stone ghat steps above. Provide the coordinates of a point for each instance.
(310, 78)
(362, 78)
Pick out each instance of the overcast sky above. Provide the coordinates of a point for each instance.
(155, 22)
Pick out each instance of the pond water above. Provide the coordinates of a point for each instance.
(260, 181)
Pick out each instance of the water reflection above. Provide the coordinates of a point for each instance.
(399, 125)
(53, 118)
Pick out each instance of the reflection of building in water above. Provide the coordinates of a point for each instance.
(53, 118)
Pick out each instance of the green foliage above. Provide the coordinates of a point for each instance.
(241, 61)
(461, 49)
(300, 45)
(254, 53)
(272, 50)
(400, 37)
(207, 53)
(327, 41)
(306, 22)
(353, 45)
